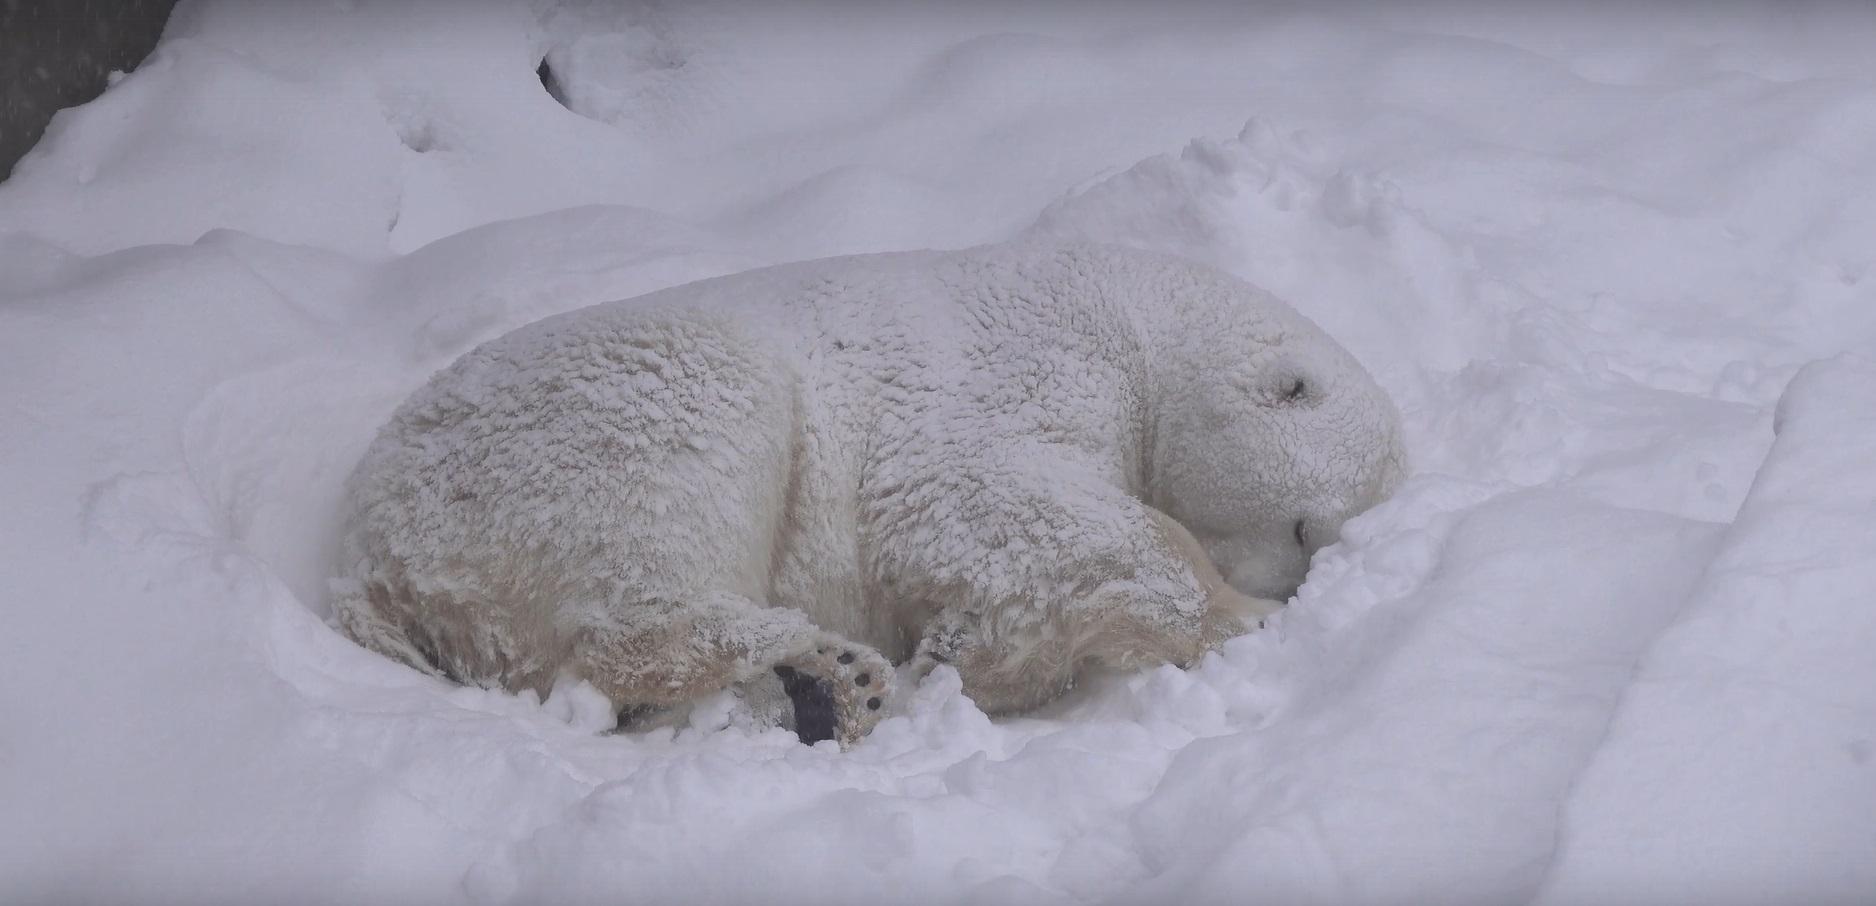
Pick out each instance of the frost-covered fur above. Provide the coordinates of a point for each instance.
(1018, 460)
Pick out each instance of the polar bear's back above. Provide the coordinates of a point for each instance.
(547, 473)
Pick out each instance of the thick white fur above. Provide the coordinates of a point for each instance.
(1016, 459)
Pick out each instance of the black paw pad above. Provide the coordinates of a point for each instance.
(630, 715)
(813, 699)
(863, 679)
(872, 704)
(846, 657)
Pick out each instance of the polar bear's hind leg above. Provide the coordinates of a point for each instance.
(659, 653)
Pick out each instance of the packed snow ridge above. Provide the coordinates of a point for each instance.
(1608, 643)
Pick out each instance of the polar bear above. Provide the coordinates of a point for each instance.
(1019, 460)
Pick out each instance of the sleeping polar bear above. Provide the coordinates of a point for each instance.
(1017, 460)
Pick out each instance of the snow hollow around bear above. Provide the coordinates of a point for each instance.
(1611, 639)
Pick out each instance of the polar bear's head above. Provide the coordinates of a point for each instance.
(1268, 438)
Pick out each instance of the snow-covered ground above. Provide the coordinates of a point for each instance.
(1615, 641)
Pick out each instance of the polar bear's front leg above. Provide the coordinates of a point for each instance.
(661, 652)
(1006, 671)
(1002, 672)
(1228, 612)
(1098, 578)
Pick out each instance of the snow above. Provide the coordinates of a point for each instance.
(1745, 732)
(1608, 642)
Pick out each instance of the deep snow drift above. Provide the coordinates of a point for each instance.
(1612, 639)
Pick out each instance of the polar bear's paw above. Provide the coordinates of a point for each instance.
(1229, 614)
(945, 642)
(838, 689)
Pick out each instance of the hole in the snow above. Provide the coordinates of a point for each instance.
(419, 138)
(550, 82)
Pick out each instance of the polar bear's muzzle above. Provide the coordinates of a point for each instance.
(1267, 564)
